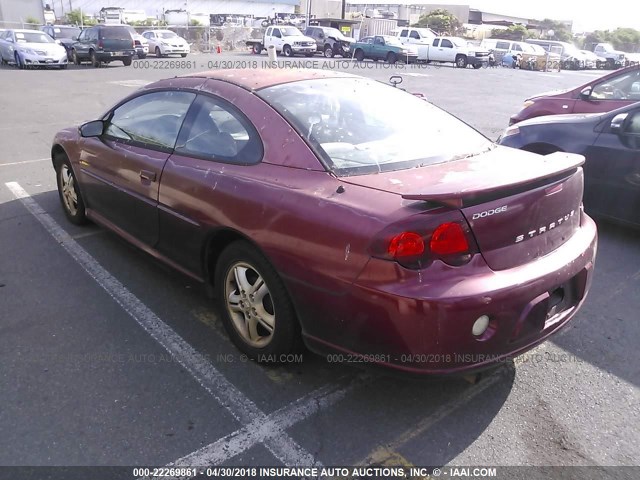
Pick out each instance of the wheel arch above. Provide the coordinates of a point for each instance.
(542, 148)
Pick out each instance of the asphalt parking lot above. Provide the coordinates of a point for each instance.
(110, 358)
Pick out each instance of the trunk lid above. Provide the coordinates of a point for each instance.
(519, 205)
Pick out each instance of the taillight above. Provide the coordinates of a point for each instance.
(406, 244)
(449, 239)
(100, 44)
(419, 240)
(136, 43)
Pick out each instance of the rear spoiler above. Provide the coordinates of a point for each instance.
(555, 166)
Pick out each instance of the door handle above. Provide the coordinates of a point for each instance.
(147, 175)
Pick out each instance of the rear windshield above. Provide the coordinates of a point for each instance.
(115, 33)
(359, 126)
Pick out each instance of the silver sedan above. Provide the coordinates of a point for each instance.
(31, 48)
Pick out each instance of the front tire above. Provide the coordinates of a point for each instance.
(286, 51)
(70, 197)
(127, 61)
(158, 53)
(256, 310)
(19, 62)
(328, 51)
(359, 55)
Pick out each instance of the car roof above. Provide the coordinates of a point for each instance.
(247, 78)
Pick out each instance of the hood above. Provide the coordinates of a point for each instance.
(560, 119)
(47, 48)
(552, 93)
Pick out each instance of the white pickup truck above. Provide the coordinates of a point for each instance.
(443, 49)
(287, 40)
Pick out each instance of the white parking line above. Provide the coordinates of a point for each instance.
(24, 161)
(276, 440)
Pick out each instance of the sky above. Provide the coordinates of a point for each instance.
(586, 15)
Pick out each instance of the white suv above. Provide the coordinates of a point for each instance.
(166, 42)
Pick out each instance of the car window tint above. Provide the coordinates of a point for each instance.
(446, 43)
(435, 42)
(415, 35)
(216, 130)
(618, 88)
(633, 124)
(153, 119)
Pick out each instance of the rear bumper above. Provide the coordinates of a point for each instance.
(401, 320)
(115, 56)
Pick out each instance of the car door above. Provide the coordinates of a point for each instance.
(612, 169)
(81, 47)
(121, 169)
(378, 49)
(276, 36)
(216, 143)
(447, 51)
(435, 52)
(6, 45)
(611, 93)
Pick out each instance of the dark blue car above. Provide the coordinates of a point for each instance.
(610, 143)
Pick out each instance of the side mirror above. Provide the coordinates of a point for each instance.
(92, 129)
(585, 93)
(617, 122)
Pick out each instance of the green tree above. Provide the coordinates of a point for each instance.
(625, 39)
(514, 32)
(560, 31)
(440, 20)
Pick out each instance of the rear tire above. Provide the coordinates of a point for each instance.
(257, 48)
(95, 63)
(461, 61)
(70, 197)
(255, 307)
(392, 58)
(127, 61)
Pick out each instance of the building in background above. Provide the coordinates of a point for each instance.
(13, 13)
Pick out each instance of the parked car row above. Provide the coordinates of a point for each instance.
(97, 45)
(599, 120)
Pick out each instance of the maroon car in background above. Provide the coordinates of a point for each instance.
(315, 216)
(600, 95)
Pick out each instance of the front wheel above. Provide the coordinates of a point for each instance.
(257, 48)
(70, 197)
(257, 312)
(158, 53)
(19, 62)
(359, 55)
(328, 51)
(286, 51)
(127, 61)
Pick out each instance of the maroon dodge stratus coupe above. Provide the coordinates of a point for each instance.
(340, 211)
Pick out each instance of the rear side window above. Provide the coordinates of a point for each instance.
(115, 33)
(153, 119)
(215, 130)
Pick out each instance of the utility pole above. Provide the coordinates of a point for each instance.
(344, 8)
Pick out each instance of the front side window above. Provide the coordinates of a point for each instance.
(215, 130)
(619, 88)
(415, 35)
(446, 43)
(356, 136)
(153, 119)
